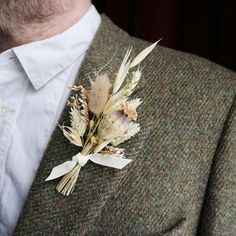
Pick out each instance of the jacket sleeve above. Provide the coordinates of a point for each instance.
(218, 215)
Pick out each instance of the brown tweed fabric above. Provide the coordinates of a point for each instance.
(183, 177)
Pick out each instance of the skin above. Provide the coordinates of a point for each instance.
(15, 33)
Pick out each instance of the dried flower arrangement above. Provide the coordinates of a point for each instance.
(101, 119)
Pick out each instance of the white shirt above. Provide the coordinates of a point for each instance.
(34, 85)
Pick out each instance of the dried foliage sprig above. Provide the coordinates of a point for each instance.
(102, 118)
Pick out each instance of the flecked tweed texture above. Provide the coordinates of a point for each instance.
(183, 177)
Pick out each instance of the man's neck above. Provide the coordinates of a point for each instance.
(39, 31)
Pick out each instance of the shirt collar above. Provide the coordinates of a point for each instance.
(43, 60)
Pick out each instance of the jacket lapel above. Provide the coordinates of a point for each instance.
(46, 210)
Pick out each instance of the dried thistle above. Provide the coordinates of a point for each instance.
(99, 94)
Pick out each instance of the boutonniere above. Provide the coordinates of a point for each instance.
(100, 119)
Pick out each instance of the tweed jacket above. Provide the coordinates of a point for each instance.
(182, 180)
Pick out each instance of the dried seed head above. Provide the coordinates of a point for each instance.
(78, 123)
(132, 114)
(72, 135)
(99, 94)
(113, 151)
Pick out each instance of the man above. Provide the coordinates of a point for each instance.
(183, 177)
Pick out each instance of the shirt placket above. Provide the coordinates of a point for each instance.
(12, 91)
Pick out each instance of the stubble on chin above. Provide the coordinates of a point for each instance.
(15, 15)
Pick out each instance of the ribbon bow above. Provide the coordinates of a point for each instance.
(114, 161)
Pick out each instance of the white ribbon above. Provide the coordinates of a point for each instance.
(114, 161)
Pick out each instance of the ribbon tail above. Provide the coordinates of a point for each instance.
(61, 170)
(115, 161)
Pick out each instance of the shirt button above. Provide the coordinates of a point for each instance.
(3, 110)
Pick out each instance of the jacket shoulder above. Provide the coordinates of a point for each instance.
(169, 61)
